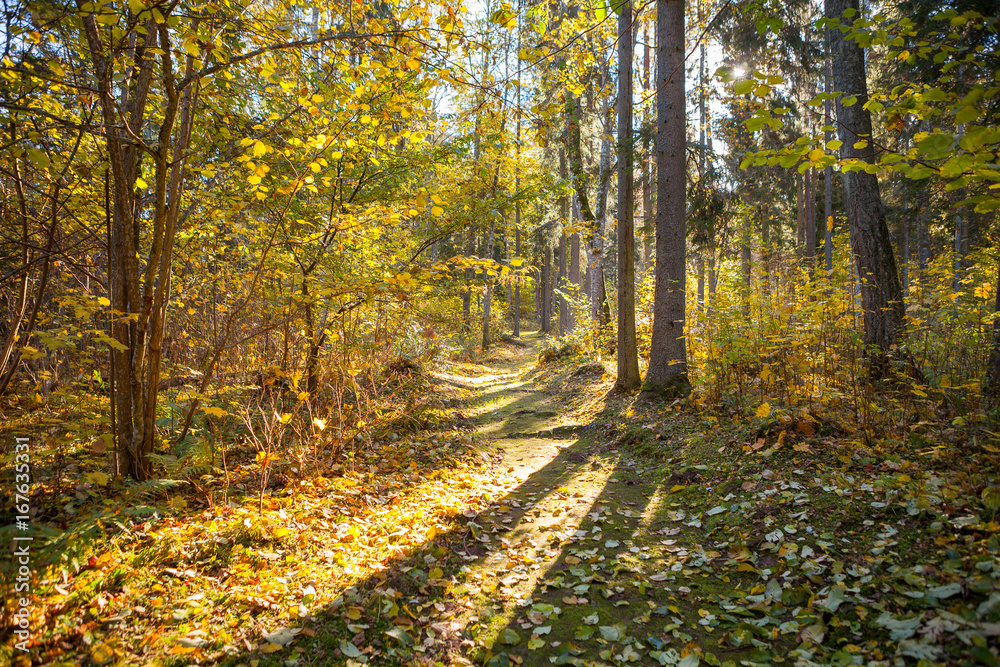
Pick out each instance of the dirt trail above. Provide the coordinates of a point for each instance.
(552, 561)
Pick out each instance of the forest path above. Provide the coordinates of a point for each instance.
(567, 567)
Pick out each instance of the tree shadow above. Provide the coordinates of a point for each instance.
(408, 609)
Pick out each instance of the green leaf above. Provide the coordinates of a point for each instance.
(349, 649)
(744, 86)
(510, 638)
(935, 145)
(401, 635)
(967, 114)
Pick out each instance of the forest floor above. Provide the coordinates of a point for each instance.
(529, 515)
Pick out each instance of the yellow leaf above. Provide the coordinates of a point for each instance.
(817, 154)
(437, 210)
(270, 647)
(214, 411)
(437, 200)
(436, 573)
(97, 477)
(764, 410)
(354, 613)
(281, 532)
(677, 487)
(259, 148)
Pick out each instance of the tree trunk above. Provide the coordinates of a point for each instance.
(488, 280)
(574, 270)
(881, 296)
(517, 284)
(810, 221)
(765, 247)
(596, 225)
(957, 277)
(470, 250)
(563, 304)
(647, 196)
(627, 354)
(667, 373)
(828, 171)
(713, 276)
(545, 325)
(991, 383)
(564, 324)
(699, 264)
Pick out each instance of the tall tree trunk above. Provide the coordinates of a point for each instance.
(713, 276)
(595, 225)
(765, 247)
(563, 282)
(800, 214)
(828, 171)
(564, 325)
(600, 308)
(881, 296)
(746, 262)
(517, 188)
(517, 283)
(923, 233)
(905, 250)
(991, 383)
(810, 221)
(647, 155)
(957, 275)
(545, 326)
(470, 250)
(667, 373)
(627, 354)
(699, 263)
(488, 296)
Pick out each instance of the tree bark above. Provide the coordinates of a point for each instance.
(517, 284)
(810, 221)
(627, 354)
(563, 304)
(667, 373)
(469, 276)
(546, 311)
(828, 171)
(488, 298)
(881, 295)
(647, 195)
(991, 383)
